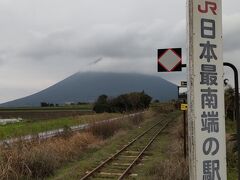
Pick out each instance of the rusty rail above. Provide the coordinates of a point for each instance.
(141, 153)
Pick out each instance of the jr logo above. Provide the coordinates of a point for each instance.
(208, 5)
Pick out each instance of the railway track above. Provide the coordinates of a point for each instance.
(119, 165)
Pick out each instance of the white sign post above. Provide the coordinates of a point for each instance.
(207, 146)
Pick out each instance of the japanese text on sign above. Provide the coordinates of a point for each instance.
(207, 90)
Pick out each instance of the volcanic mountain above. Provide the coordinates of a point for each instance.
(86, 87)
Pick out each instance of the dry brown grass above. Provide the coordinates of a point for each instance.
(169, 169)
(136, 120)
(106, 129)
(109, 128)
(39, 160)
(165, 107)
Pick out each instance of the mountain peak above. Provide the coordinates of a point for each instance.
(87, 86)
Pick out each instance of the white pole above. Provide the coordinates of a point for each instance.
(207, 146)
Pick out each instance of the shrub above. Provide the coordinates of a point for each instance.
(101, 104)
(105, 129)
(67, 132)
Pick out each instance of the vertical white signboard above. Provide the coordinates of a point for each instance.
(206, 93)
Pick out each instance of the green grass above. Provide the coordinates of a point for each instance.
(232, 174)
(94, 156)
(34, 127)
(230, 126)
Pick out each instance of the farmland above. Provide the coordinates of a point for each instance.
(42, 113)
(34, 127)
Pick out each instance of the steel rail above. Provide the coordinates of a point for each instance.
(117, 153)
(141, 153)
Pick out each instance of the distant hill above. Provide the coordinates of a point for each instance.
(86, 87)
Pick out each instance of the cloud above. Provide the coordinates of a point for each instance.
(3, 57)
(231, 29)
(57, 43)
(44, 41)
(132, 41)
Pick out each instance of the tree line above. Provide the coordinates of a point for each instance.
(134, 101)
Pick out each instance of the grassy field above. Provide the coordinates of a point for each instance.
(94, 156)
(44, 113)
(34, 127)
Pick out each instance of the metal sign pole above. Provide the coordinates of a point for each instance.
(237, 110)
(184, 131)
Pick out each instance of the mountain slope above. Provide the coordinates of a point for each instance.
(86, 87)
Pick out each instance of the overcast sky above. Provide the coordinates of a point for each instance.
(44, 41)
